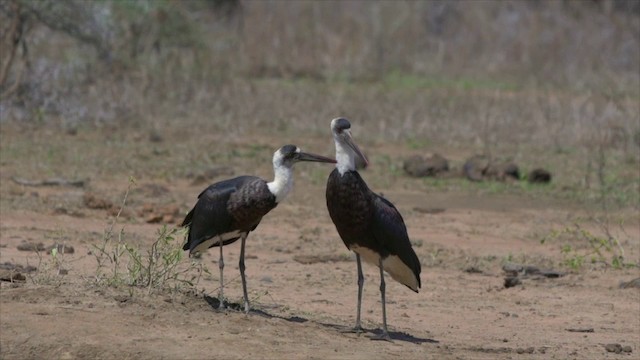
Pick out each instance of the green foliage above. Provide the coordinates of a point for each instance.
(159, 267)
(414, 143)
(120, 263)
(586, 245)
(401, 80)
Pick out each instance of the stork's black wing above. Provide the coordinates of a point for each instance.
(390, 232)
(210, 217)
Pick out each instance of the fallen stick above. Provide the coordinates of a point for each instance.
(49, 182)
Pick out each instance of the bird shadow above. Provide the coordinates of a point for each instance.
(395, 335)
(215, 304)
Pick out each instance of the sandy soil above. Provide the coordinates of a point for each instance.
(302, 282)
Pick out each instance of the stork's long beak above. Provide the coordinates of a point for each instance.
(350, 143)
(303, 156)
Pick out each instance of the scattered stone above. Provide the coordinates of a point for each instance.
(473, 270)
(11, 276)
(516, 273)
(511, 282)
(614, 348)
(627, 349)
(513, 269)
(539, 176)
(92, 201)
(30, 246)
(635, 283)
(418, 166)
(481, 167)
(475, 167)
(16, 267)
(121, 298)
(502, 172)
(528, 350)
(580, 330)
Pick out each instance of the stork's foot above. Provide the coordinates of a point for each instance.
(247, 308)
(221, 305)
(384, 336)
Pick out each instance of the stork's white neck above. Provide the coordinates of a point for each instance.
(282, 182)
(345, 157)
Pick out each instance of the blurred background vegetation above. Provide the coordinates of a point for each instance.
(554, 74)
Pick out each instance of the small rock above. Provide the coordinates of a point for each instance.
(614, 348)
(627, 349)
(475, 167)
(92, 201)
(121, 298)
(17, 267)
(29, 246)
(11, 276)
(635, 283)
(503, 172)
(512, 281)
(418, 166)
(528, 350)
(472, 269)
(539, 176)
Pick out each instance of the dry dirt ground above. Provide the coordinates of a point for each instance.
(302, 280)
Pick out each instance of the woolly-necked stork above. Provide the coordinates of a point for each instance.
(228, 210)
(368, 224)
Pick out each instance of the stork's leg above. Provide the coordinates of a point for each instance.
(385, 333)
(221, 267)
(358, 328)
(243, 239)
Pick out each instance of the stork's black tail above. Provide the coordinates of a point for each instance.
(187, 223)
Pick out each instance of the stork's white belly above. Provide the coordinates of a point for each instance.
(216, 239)
(392, 264)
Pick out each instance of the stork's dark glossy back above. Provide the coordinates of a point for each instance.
(236, 204)
(366, 220)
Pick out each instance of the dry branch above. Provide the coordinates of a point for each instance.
(49, 182)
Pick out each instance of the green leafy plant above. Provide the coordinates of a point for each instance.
(159, 268)
(600, 249)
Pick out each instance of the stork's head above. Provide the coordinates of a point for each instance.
(290, 154)
(346, 148)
